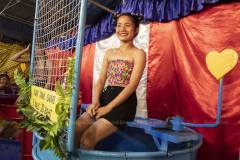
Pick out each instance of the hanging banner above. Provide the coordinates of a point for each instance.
(44, 101)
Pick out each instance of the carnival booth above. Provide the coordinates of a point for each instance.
(185, 107)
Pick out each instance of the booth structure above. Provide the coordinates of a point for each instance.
(143, 139)
(147, 138)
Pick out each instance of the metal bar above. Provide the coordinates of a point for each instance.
(12, 5)
(16, 19)
(5, 7)
(25, 3)
(101, 6)
(164, 145)
(156, 142)
(77, 72)
(34, 35)
(218, 110)
(12, 40)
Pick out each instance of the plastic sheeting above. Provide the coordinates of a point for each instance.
(180, 83)
(141, 42)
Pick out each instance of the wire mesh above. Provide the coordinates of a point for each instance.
(55, 40)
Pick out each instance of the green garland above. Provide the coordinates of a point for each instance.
(52, 131)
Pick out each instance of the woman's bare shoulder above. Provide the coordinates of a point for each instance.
(110, 52)
(140, 52)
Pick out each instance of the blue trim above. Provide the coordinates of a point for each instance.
(34, 36)
(34, 153)
(77, 72)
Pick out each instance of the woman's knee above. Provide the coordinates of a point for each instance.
(83, 123)
(86, 141)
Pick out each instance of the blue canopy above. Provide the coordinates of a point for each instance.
(17, 21)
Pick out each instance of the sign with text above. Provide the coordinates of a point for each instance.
(44, 101)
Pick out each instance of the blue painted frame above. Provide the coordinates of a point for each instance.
(34, 36)
(76, 78)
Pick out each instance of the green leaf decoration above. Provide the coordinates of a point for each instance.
(57, 109)
(32, 128)
(28, 111)
(35, 121)
(25, 123)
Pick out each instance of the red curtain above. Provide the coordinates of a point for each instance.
(180, 83)
(86, 78)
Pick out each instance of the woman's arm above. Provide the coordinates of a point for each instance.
(102, 78)
(17, 57)
(139, 65)
(49, 69)
(99, 86)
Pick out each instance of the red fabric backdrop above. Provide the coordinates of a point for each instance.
(180, 83)
(86, 78)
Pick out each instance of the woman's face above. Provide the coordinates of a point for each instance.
(38, 51)
(125, 29)
(4, 80)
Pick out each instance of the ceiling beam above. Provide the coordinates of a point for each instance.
(16, 19)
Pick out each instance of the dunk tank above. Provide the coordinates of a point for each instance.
(59, 33)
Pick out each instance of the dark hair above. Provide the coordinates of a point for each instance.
(4, 75)
(134, 18)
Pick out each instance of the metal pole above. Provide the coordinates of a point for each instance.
(218, 110)
(16, 19)
(76, 78)
(34, 35)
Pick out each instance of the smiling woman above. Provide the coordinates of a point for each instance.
(4, 84)
(115, 105)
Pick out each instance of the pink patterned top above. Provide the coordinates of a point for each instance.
(119, 72)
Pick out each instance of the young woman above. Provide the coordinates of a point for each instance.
(4, 84)
(42, 67)
(42, 71)
(4, 89)
(116, 105)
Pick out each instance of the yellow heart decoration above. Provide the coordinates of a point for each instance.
(221, 63)
(23, 66)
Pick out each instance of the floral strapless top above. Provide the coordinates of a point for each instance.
(119, 72)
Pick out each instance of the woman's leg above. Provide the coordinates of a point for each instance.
(82, 124)
(19, 101)
(99, 130)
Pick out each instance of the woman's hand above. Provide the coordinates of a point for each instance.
(3, 85)
(102, 111)
(28, 47)
(92, 108)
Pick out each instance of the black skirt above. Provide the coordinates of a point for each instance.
(121, 114)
